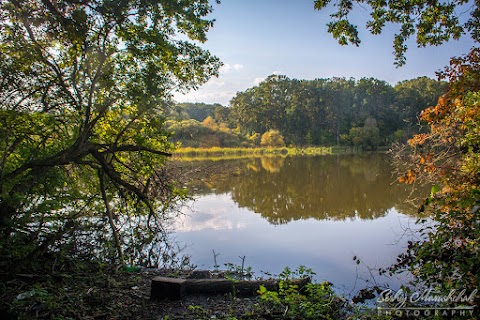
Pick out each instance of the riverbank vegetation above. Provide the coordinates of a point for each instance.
(73, 289)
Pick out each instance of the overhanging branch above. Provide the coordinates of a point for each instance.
(108, 169)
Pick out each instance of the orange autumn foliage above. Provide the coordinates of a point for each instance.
(448, 156)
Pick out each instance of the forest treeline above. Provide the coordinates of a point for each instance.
(366, 113)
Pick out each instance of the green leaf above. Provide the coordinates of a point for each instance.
(434, 190)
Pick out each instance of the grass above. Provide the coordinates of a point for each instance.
(217, 153)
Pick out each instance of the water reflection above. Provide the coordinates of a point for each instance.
(282, 189)
(291, 211)
(270, 164)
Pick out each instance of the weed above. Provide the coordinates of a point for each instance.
(313, 301)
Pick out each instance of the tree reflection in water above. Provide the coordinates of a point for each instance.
(283, 189)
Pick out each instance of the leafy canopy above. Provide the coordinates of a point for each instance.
(430, 22)
(83, 85)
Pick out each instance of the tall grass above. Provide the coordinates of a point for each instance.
(215, 153)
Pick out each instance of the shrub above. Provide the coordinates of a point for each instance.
(272, 138)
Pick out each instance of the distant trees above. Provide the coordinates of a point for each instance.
(366, 113)
(412, 96)
(197, 111)
(205, 134)
(366, 137)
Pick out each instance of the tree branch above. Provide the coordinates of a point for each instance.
(54, 66)
(115, 176)
(109, 213)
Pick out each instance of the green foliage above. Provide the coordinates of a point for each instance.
(254, 139)
(314, 301)
(83, 146)
(412, 97)
(238, 272)
(430, 22)
(366, 137)
(206, 134)
(400, 136)
(446, 154)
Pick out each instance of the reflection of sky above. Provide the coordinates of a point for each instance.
(214, 222)
(217, 212)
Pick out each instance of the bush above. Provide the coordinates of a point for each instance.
(272, 138)
(314, 301)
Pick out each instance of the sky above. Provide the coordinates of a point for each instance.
(257, 38)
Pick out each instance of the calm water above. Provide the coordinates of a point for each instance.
(313, 211)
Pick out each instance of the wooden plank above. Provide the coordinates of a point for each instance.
(167, 288)
(175, 289)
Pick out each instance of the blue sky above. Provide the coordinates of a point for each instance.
(257, 38)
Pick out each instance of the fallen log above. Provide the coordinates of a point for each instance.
(176, 289)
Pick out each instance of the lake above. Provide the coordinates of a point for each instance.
(318, 211)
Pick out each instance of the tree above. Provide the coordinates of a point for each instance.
(366, 137)
(209, 123)
(375, 99)
(431, 22)
(448, 155)
(221, 113)
(83, 86)
(246, 113)
(321, 111)
(338, 101)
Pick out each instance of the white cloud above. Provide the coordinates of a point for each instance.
(215, 82)
(226, 68)
(238, 66)
(221, 89)
(207, 214)
(214, 220)
(258, 80)
(207, 96)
